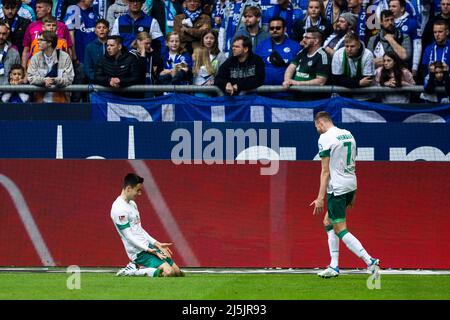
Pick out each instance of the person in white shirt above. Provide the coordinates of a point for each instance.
(337, 150)
(148, 256)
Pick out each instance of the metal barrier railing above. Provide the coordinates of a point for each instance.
(213, 89)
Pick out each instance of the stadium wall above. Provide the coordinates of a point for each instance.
(57, 212)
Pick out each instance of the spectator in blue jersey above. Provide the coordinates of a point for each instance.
(96, 49)
(118, 68)
(427, 36)
(217, 13)
(232, 20)
(18, 25)
(439, 50)
(177, 63)
(243, 71)
(345, 24)
(333, 10)
(251, 28)
(277, 52)
(135, 21)
(59, 9)
(191, 24)
(165, 11)
(437, 77)
(314, 18)
(407, 24)
(80, 19)
(285, 10)
(389, 39)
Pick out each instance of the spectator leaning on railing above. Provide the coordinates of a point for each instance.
(50, 67)
(118, 68)
(243, 71)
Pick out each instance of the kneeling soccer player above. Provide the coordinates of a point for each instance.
(149, 257)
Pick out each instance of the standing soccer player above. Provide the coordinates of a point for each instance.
(152, 257)
(337, 150)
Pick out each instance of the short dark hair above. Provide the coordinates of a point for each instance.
(49, 2)
(401, 2)
(246, 42)
(323, 115)
(386, 14)
(11, 3)
(132, 180)
(317, 33)
(102, 21)
(116, 38)
(278, 19)
(440, 22)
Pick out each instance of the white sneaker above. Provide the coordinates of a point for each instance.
(130, 269)
(374, 267)
(329, 272)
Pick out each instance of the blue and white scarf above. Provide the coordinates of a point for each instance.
(192, 15)
(361, 27)
(434, 54)
(2, 57)
(219, 11)
(309, 23)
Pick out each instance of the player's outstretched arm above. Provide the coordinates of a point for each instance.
(164, 247)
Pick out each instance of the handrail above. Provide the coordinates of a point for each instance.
(214, 89)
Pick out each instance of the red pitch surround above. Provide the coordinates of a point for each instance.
(222, 215)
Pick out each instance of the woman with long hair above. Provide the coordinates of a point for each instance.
(393, 75)
(202, 69)
(315, 17)
(210, 41)
(151, 62)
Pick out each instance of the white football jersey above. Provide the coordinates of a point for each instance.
(340, 146)
(126, 215)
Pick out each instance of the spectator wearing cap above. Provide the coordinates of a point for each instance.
(345, 23)
(135, 21)
(191, 24)
(18, 25)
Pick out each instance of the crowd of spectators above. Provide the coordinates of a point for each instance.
(237, 45)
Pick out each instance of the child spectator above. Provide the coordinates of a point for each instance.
(177, 63)
(210, 40)
(49, 24)
(16, 77)
(437, 76)
(96, 49)
(202, 70)
(393, 75)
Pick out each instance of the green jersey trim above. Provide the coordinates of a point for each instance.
(325, 154)
(123, 226)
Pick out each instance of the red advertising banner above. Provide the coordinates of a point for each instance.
(57, 212)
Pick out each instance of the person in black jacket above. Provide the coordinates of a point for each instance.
(243, 71)
(118, 68)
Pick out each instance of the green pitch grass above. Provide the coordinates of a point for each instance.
(100, 286)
